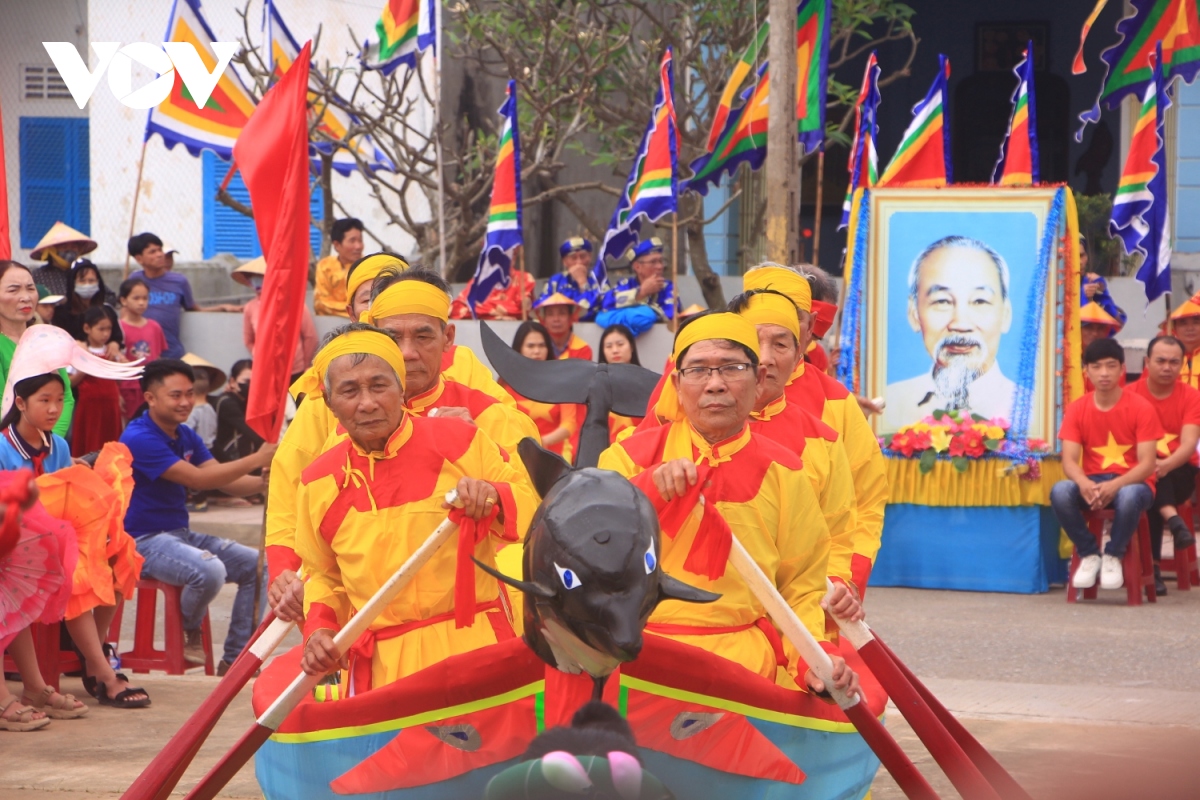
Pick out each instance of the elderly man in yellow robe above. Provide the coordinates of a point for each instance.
(819, 446)
(309, 433)
(823, 397)
(705, 456)
(369, 501)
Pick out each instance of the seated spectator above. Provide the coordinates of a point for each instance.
(576, 280)
(1178, 407)
(59, 248)
(1094, 289)
(144, 339)
(502, 303)
(170, 292)
(619, 346)
(203, 419)
(1184, 325)
(235, 439)
(1096, 323)
(46, 303)
(558, 313)
(329, 295)
(18, 296)
(644, 298)
(251, 274)
(98, 415)
(169, 459)
(85, 289)
(1109, 441)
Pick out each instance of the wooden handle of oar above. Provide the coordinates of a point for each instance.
(788, 623)
(858, 633)
(273, 717)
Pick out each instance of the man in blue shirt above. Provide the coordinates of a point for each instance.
(169, 459)
(576, 281)
(170, 292)
(645, 297)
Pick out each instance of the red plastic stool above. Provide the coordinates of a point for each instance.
(1138, 562)
(53, 661)
(1183, 562)
(144, 657)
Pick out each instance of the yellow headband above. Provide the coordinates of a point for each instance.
(368, 270)
(795, 286)
(773, 309)
(373, 343)
(409, 297)
(725, 326)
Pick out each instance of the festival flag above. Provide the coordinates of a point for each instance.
(812, 71)
(405, 28)
(1175, 23)
(1139, 212)
(504, 217)
(272, 155)
(743, 141)
(177, 119)
(923, 158)
(652, 190)
(740, 70)
(282, 50)
(1079, 67)
(1018, 162)
(864, 163)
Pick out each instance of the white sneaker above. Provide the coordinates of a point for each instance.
(1086, 572)
(1112, 573)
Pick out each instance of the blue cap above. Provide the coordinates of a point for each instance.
(574, 245)
(651, 245)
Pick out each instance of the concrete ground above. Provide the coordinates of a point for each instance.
(1095, 700)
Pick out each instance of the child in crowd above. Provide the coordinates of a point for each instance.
(203, 419)
(98, 416)
(144, 338)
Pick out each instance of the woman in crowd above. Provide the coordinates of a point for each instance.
(98, 417)
(618, 346)
(27, 441)
(235, 439)
(144, 338)
(85, 289)
(18, 301)
(557, 423)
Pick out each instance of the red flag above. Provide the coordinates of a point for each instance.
(5, 238)
(272, 154)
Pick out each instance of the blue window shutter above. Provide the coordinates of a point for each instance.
(228, 231)
(55, 178)
(317, 211)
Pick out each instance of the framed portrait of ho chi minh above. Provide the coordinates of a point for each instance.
(961, 302)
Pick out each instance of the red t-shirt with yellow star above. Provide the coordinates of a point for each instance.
(1110, 438)
(1181, 407)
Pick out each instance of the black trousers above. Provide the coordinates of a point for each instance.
(1173, 489)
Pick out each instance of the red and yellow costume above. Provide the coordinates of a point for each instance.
(362, 514)
(760, 489)
(503, 302)
(1191, 361)
(549, 417)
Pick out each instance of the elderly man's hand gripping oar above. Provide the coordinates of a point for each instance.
(476, 500)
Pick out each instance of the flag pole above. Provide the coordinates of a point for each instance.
(136, 193)
(437, 140)
(816, 259)
(521, 285)
(675, 264)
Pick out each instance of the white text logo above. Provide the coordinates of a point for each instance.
(118, 61)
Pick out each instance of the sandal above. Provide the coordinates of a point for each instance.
(55, 705)
(124, 698)
(19, 718)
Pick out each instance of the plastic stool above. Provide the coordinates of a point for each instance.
(1183, 562)
(144, 657)
(1138, 563)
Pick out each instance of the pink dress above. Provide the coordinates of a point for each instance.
(141, 341)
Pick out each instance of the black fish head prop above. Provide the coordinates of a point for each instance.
(591, 567)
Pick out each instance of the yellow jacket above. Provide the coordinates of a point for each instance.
(824, 397)
(361, 515)
(329, 295)
(761, 491)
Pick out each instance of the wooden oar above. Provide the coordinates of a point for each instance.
(950, 755)
(270, 720)
(162, 774)
(876, 736)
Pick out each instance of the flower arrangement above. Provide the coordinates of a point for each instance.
(956, 434)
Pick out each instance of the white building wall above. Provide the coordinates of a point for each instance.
(26, 25)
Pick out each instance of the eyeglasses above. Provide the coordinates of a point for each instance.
(728, 373)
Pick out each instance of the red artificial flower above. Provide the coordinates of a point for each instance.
(921, 441)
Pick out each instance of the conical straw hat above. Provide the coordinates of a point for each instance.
(61, 233)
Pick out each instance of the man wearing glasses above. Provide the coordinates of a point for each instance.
(705, 467)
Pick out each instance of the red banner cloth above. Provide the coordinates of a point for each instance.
(272, 154)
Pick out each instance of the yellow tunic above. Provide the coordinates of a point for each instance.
(308, 436)
(329, 295)
(768, 501)
(824, 397)
(362, 515)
